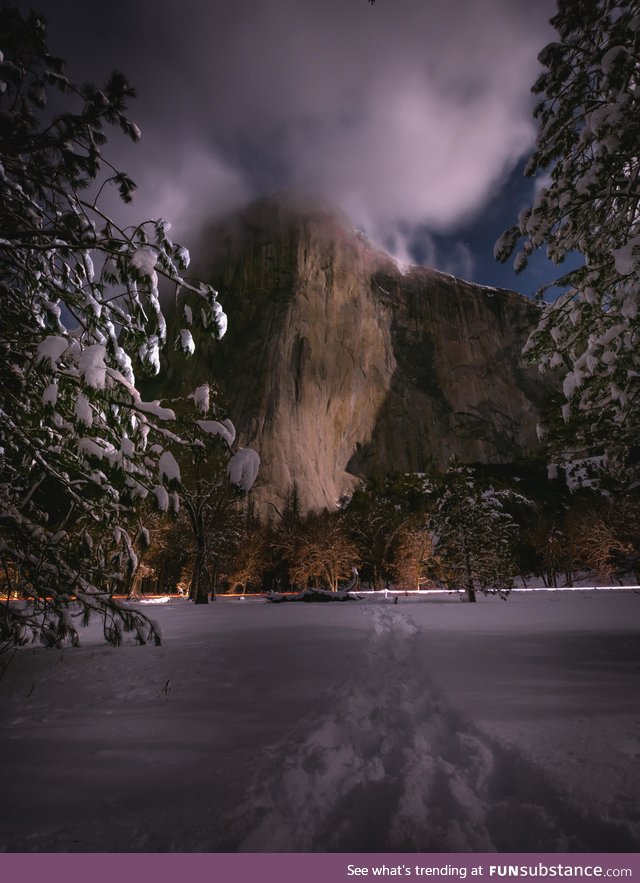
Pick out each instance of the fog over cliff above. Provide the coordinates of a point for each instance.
(412, 116)
(339, 364)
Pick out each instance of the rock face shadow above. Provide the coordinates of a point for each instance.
(341, 365)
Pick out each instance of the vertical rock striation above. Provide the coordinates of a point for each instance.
(338, 365)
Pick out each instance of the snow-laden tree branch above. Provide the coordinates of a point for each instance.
(588, 148)
(81, 316)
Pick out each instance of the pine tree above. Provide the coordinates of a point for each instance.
(377, 513)
(588, 151)
(472, 534)
(79, 448)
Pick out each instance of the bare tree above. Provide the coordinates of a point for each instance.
(210, 506)
(606, 538)
(414, 555)
(248, 560)
(552, 550)
(323, 551)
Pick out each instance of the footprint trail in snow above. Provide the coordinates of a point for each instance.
(392, 768)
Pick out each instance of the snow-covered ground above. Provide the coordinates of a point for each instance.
(366, 726)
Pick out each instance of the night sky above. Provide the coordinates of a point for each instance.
(412, 116)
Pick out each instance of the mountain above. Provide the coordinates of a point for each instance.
(338, 364)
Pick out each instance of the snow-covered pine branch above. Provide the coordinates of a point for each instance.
(79, 448)
(588, 147)
(473, 534)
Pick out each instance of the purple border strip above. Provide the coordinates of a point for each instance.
(313, 868)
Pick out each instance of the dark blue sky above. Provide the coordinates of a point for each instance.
(480, 234)
(413, 116)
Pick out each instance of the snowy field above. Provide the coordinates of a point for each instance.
(367, 726)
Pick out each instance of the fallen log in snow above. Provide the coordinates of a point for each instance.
(311, 595)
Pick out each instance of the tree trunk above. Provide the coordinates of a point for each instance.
(471, 593)
(214, 581)
(199, 588)
(354, 582)
(136, 585)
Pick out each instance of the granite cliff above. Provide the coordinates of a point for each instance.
(338, 364)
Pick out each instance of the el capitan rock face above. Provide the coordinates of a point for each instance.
(337, 364)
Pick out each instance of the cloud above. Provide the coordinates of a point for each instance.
(427, 133)
(408, 114)
(415, 245)
(189, 187)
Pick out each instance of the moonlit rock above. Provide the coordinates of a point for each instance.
(349, 368)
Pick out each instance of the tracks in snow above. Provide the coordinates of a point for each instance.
(391, 767)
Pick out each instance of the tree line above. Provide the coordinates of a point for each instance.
(460, 530)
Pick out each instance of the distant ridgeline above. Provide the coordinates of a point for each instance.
(340, 365)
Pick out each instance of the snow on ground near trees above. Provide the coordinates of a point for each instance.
(366, 726)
